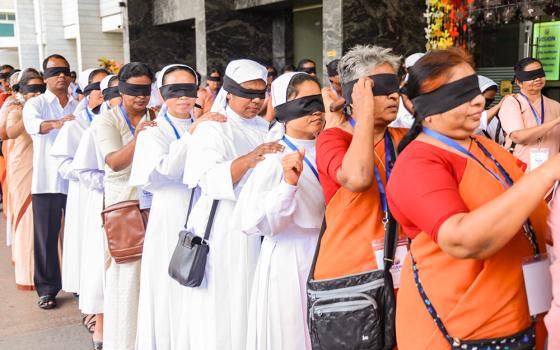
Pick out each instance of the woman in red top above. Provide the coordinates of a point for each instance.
(462, 201)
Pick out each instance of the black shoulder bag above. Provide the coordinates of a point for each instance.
(188, 262)
(355, 311)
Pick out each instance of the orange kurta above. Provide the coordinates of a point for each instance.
(21, 165)
(476, 299)
(354, 220)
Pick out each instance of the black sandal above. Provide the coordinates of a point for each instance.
(89, 322)
(47, 302)
(97, 345)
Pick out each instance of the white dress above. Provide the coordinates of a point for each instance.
(215, 314)
(89, 165)
(63, 149)
(159, 161)
(289, 217)
(122, 281)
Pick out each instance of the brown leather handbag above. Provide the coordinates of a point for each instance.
(125, 226)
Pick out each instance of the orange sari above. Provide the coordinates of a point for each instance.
(476, 299)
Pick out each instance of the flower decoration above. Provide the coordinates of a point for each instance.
(112, 66)
(447, 23)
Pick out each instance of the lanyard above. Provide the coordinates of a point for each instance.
(90, 117)
(527, 226)
(533, 110)
(132, 129)
(172, 126)
(388, 167)
(307, 161)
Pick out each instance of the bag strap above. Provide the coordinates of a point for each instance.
(391, 226)
(190, 207)
(211, 219)
(312, 269)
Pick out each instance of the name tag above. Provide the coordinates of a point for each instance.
(537, 156)
(538, 284)
(400, 254)
(145, 199)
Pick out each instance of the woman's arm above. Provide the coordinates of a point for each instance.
(485, 230)
(14, 125)
(121, 159)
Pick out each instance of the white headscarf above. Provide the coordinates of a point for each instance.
(159, 83)
(83, 80)
(412, 59)
(279, 95)
(105, 82)
(484, 83)
(239, 71)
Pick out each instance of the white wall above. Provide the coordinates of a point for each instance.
(7, 4)
(92, 42)
(53, 32)
(9, 56)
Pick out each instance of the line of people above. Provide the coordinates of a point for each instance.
(316, 204)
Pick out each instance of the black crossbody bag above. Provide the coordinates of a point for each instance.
(355, 311)
(188, 262)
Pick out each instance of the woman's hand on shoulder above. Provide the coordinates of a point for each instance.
(210, 116)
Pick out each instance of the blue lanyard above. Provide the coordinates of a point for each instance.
(90, 117)
(172, 126)
(132, 129)
(527, 226)
(452, 143)
(307, 161)
(533, 110)
(388, 168)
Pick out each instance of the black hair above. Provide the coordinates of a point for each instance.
(95, 72)
(176, 68)
(54, 56)
(6, 66)
(296, 81)
(73, 73)
(135, 69)
(215, 70)
(332, 66)
(305, 61)
(113, 78)
(524, 62)
(274, 71)
(288, 68)
(429, 74)
(27, 75)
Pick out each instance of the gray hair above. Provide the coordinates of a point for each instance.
(358, 62)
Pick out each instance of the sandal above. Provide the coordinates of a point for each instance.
(47, 302)
(89, 322)
(97, 345)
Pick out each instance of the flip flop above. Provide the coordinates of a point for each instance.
(89, 322)
(47, 302)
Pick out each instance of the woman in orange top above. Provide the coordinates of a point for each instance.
(462, 201)
(347, 156)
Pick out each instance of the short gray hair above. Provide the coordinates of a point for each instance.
(358, 62)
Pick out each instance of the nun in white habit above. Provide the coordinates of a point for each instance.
(283, 201)
(63, 150)
(110, 91)
(157, 167)
(219, 161)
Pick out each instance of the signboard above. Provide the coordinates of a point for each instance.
(546, 47)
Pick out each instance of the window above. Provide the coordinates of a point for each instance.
(7, 20)
(6, 30)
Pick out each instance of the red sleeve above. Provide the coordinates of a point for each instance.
(423, 190)
(332, 145)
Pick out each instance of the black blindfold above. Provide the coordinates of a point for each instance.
(310, 70)
(110, 93)
(210, 78)
(56, 71)
(135, 89)
(530, 75)
(446, 97)
(299, 107)
(93, 86)
(26, 89)
(178, 90)
(383, 85)
(234, 88)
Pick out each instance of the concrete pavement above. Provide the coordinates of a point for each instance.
(24, 326)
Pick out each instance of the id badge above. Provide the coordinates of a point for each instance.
(538, 284)
(537, 156)
(144, 199)
(400, 254)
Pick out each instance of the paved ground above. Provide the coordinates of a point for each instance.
(24, 326)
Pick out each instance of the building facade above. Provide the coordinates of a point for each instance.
(81, 30)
